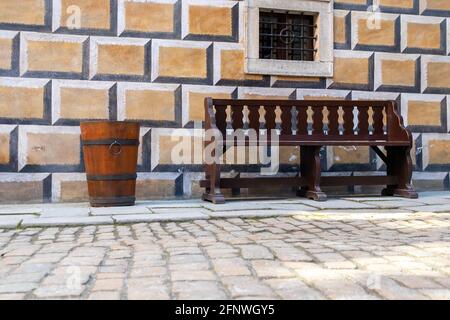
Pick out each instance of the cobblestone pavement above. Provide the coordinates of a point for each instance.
(325, 253)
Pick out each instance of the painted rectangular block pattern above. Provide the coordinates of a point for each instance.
(179, 149)
(442, 5)
(182, 62)
(52, 149)
(438, 151)
(29, 12)
(350, 155)
(21, 103)
(438, 74)
(94, 14)
(149, 104)
(406, 4)
(155, 61)
(46, 53)
(399, 73)
(155, 189)
(53, 56)
(351, 71)
(115, 59)
(46, 146)
(22, 99)
(74, 191)
(4, 147)
(6, 50)
(21, 191)
(424, 35)
(210, 20)
(232, 66)
(81, 103)
(24, 187)
(340, 28)
(351, 1)
(74, 101)
(149, 16)
(372, 32)
(424, 113)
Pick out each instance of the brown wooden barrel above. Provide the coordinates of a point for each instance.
(110, 156)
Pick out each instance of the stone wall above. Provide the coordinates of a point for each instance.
(155, 61)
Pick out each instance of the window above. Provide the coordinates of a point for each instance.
(290, 37)
(286, 36)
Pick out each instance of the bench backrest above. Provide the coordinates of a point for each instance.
(310, 120)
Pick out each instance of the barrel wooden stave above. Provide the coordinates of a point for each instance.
(103, 163)
(111, 175)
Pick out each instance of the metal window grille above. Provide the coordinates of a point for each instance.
(287, 36)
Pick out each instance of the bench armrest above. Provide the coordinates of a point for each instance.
(396, 129)
(210, 118)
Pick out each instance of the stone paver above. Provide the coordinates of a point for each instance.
(431, 208)
(394, 204)
(119, 210)
(185, 251)
(13, 221)
(255, 252)
(231, 267)
(64, 212)
(338, 204)
(293, 288)
(178, 216)
(15, 210)
(65, 221)
(80, 214)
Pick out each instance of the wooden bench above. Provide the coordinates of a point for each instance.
(312, 125)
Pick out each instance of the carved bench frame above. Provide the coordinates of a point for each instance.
(312, 125)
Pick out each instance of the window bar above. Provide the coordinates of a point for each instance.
(271, 42)
(287, 36)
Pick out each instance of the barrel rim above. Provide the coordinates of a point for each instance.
(109, 122)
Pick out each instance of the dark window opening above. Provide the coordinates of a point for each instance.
(287, 36)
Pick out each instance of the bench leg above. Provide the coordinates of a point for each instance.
(310, 169)
(236, 191)
(399, 164)
(213, 193)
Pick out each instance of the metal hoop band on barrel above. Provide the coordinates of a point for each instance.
(118, 201)
(112, 143)
(108, 142)
(116, 177)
